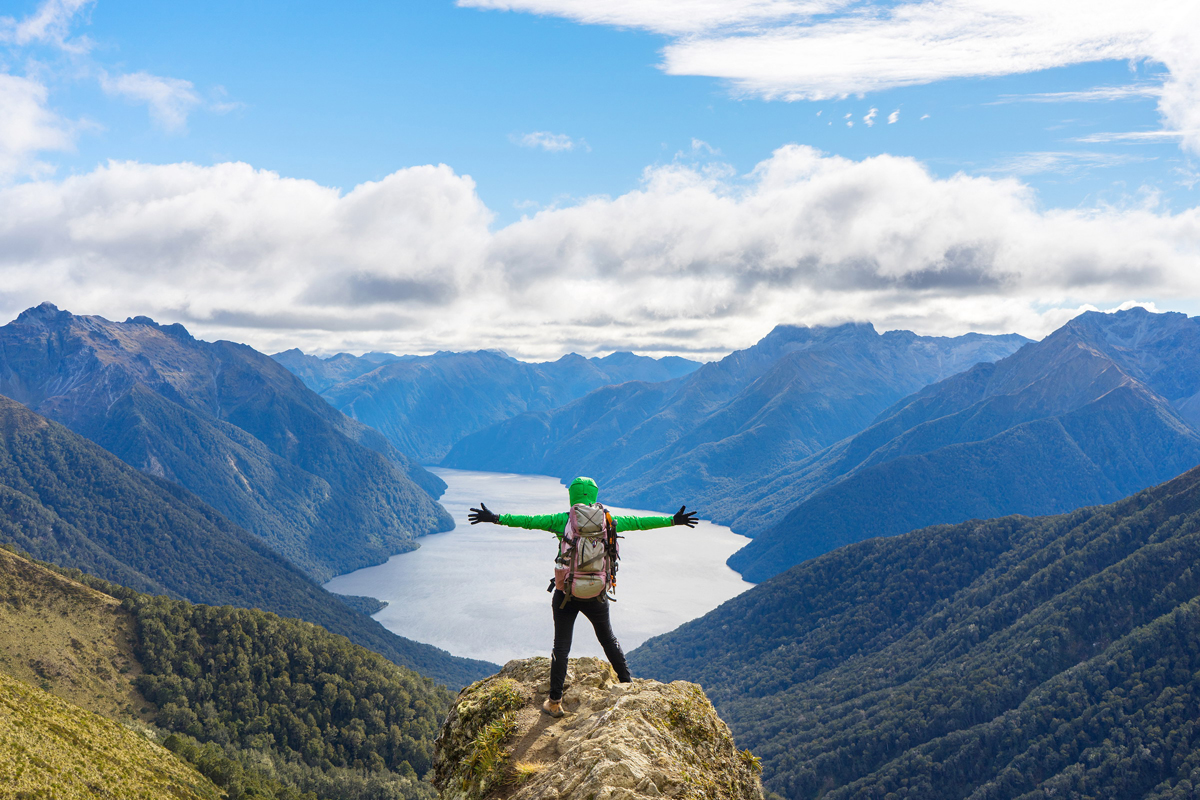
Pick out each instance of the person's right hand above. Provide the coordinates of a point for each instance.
(482, 514)
(684, 517)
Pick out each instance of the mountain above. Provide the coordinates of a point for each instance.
(424, 404)
(261, 706)
(702, 439)
(66, 500)
(232, 426)
(1010, 658)
(1101, 408)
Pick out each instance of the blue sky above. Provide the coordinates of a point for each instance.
(549, 108)
(346, 94)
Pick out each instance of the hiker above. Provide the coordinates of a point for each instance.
(585, 571)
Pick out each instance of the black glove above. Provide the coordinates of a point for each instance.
(482, 514)
(684, 518)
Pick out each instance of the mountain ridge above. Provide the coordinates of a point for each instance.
(707, 435)
(1058, 424)
(424, 404)
(231, 425)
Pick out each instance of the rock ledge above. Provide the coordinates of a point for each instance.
(617, 741)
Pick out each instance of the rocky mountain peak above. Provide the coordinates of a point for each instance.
(42, 314)
(630, 741)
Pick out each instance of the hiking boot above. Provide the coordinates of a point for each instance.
(553, 708)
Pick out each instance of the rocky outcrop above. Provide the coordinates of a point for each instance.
(616, 742)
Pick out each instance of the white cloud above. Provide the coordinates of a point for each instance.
(798, 50)
(1064, 162)
(27, 127)
(170, 99)
(1098, 94)
(1132, 136)
(673, 17)
(49, 24)
(894, 117)
(694, 260)
(869, 119)
(552, 142)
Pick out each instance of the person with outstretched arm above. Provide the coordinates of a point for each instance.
(566, 604)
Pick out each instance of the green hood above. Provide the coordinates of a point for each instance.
(583, 490)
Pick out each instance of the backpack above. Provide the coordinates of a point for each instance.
(586, 566)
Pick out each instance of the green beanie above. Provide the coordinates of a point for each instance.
(583, 490)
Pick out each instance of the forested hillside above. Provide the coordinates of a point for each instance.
(703, 439)
(1096, 411)
(1011, 658)
(424, 404)
(232, 426)
(66, 500)
(260, 705)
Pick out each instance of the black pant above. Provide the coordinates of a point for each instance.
(564, 626)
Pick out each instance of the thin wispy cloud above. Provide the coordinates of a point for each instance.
(1063, 162)
(1099, 94)
(170, 100)
(812, 51)
(894, 117)
(869, 119)
(50, 24)
(545, 140)
(1146, 137)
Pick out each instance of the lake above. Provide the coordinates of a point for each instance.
(479, 591)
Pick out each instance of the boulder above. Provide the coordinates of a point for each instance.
(617, 741)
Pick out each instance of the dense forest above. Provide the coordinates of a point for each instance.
(273, 707)
(1016, 657)
(65, 500)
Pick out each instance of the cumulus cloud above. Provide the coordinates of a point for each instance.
(544, 140)
(170, 99)
(694, 260)
(27, 127)
(800, 50)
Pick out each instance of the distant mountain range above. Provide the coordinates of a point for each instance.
(66, 500)
(1103, 407)
(231, 425)
(425, 404)
(704, 438)
(1010, 658)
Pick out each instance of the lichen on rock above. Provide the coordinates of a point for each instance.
(616, 742)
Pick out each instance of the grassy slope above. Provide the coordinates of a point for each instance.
(71, 640)
(50, 748)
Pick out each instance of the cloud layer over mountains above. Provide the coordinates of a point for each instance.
(696, 259)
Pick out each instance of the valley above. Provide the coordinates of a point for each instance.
(970, 573)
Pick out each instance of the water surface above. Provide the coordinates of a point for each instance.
(480, 590)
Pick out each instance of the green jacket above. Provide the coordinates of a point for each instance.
(557, 523)
(581, 490)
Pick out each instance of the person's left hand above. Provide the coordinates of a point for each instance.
(683, 517)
